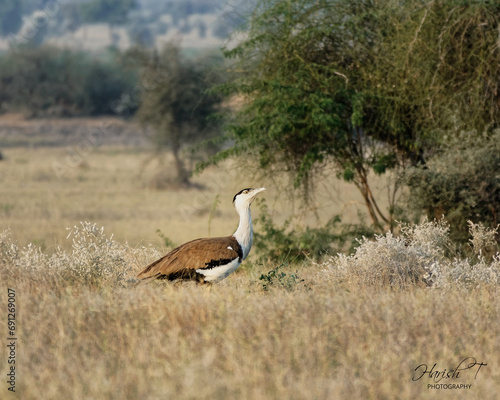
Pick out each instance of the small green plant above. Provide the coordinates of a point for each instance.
(275, 243)
(277, 278)
(166, 240)
(6, 207)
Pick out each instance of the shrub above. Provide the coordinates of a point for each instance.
(463, 184)
(422, 254)
(277, 243)
(278, 279)
(95, 260)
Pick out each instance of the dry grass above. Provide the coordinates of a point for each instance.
(111, 186)
(87, 332)
(320, 340)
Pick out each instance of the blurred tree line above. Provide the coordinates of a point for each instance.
(49, 81)
(164, 90)
(34, 21)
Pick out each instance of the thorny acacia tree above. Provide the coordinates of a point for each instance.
(365, 85)
(176, 102)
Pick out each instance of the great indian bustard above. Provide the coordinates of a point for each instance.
(209, 259)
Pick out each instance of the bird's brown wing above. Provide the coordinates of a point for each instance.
(183, 261)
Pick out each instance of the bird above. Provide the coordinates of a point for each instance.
(209, 260)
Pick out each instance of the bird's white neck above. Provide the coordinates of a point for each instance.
(244, 233)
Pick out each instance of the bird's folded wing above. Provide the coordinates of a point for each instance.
(198, 254)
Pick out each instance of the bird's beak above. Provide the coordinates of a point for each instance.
(256, 192)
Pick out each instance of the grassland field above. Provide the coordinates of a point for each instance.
(317, 338)
(112, 186)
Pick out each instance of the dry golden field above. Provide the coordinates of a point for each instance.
(45, 190)
(323, 339)
(88, 332)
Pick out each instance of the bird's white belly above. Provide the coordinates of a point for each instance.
(218, 273)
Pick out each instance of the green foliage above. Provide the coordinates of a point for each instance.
(168, 243)
(367, 86)
(276, 278)
(176, 101)
(277, 243)
(462, 183)
(59, 82)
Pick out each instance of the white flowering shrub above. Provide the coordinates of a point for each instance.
(483, 238)
(431, 236)
(396, 261)
(8, 250)
(419, 255)
(471, 275)
(94, 259)
(28, 257)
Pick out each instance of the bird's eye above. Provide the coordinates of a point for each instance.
(245, 191)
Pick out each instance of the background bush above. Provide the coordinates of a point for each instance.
(283, 243)
(462, 183)
(50, 81)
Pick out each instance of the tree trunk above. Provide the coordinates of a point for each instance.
(373, 210)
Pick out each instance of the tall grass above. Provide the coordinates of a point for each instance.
(345, 329)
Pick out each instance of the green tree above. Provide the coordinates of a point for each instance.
(462, 184)
(368, 86)
(176, 102)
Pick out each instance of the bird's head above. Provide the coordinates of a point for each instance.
(245, 197)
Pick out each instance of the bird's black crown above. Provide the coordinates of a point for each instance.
(240, 192)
